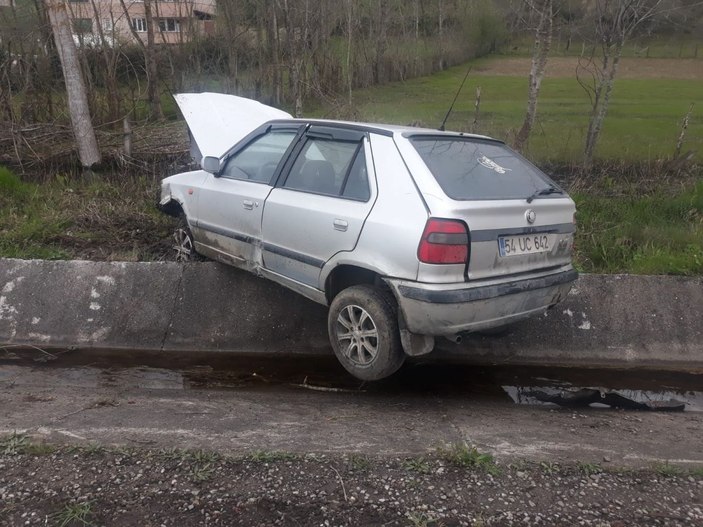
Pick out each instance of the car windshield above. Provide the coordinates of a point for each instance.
(469, 168)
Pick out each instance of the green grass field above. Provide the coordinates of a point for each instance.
(643, 122)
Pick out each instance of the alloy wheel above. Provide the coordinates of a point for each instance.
(183, 246)
(357, 335)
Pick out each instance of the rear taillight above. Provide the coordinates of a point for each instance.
(444, 242)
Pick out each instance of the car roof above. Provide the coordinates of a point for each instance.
(385, 129)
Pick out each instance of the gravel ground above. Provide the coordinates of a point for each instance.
(92, 485)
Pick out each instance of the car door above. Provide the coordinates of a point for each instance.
(231, 202)
(320, 204)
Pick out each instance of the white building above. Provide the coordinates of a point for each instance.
(175, 21)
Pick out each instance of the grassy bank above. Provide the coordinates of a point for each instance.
(659, 233)
(106, 219)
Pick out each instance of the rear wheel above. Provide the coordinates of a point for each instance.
(363, 329)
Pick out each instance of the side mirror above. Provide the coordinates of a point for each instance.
(211, 164)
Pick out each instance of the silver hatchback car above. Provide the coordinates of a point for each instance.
(407, 234)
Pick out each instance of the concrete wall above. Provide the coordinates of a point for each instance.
(611, 321)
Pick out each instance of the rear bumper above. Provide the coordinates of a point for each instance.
(448, 309)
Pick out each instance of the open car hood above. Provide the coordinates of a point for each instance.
(218, 121)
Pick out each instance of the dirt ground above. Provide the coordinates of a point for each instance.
(199, 445)
(630, 67)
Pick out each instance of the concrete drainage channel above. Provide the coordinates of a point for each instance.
(236, 404)
(524, 385)
(618, 321)
(96, 352)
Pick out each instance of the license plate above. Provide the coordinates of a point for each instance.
(525, 244)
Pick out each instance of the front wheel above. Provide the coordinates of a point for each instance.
(363, 329)
(183, 245)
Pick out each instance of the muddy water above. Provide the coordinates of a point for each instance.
(660, 391)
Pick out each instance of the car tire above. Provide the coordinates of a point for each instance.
(183, 248)
(363, 330)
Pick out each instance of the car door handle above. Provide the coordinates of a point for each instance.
(249, 205)
(340, 225)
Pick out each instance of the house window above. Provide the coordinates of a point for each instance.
(169, 25)
(139, 24)
(82, 25)
(107, 24)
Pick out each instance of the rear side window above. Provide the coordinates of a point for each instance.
(332, 168)
(468, 169)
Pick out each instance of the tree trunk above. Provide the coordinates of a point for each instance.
(43, 50)
(108, 53)
(274, 48)
(440, 33)
(88, 152)
(296, 45)
(381, 41)
(227, 10)
(540, 53)
(416, 59)
(151, 64)
(349, 50)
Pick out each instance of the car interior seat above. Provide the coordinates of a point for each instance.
(319, 176)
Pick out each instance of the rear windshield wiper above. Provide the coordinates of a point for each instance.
(551, 189)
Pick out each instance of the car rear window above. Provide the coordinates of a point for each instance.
(468, 169)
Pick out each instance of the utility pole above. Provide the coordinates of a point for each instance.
(88, 151)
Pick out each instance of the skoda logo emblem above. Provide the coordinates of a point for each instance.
(530, 216)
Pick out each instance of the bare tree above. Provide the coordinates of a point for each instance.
(614, 21)
(300, 44)
(380, 30)
(88, 152)
(109, 55)
(540, 52)
(152, 67)
(230, 13)
(274, 35)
